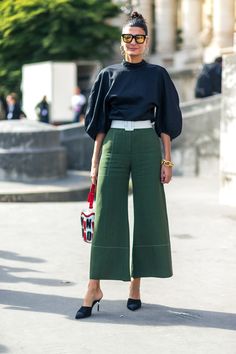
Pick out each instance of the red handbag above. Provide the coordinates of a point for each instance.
(88, 216)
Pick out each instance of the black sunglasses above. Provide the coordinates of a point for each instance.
(139, 38)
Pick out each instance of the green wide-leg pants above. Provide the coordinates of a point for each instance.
(137, 153)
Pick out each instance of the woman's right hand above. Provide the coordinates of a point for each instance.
(94, 172)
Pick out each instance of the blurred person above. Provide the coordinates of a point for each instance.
(3, 107)
(133, 109)
(42, 110)
(209, 80)
(78, 101)
(14, 110)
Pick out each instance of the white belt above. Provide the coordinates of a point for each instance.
(131, 125)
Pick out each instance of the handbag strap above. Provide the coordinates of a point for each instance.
(91, 195)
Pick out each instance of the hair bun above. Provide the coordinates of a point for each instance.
(136, 20)
(135, 14)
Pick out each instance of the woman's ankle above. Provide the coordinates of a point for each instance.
(91, 295)
(94, 285)
(134, 290)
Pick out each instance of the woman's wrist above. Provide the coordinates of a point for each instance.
(167, 163)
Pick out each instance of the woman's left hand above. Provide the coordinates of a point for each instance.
(166, 174)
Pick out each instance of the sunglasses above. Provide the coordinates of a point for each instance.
(139, 38)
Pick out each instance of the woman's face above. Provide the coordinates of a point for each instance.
(10, 99)
(133, 48)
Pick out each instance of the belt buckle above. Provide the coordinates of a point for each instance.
(129, 125)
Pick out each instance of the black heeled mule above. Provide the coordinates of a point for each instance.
(86, 311)
(133, 304)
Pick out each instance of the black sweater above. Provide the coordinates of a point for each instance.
(133, 91)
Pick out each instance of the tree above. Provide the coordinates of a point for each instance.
(39, 30)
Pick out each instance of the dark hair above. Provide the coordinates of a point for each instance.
(136, 20)
(218, 60)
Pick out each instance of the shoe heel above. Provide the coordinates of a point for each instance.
(86, 311)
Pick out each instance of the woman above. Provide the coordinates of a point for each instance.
(78, 101)
(124, 102)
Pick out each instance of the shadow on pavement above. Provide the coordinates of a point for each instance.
(16, 257)
(116, 312)
(3, 349)
(7, 277)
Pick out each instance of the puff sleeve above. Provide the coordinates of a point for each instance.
(95, 116)
(168, 115)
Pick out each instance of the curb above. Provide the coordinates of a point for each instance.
(74, 187)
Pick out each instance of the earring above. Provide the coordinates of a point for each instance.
(122, 50)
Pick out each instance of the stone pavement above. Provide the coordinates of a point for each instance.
(44, 267)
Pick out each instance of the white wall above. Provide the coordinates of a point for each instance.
(53, 79)
(36, 82)
(228, 132)
(64, 83)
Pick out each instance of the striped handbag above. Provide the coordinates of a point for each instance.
(88, 216)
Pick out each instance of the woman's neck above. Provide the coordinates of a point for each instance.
(134, 59)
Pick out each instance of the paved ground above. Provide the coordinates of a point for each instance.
(44, 266)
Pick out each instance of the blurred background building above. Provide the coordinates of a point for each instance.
(183, 35)
(187, 31)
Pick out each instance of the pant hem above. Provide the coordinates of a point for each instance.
(152, 276)
(110, 278)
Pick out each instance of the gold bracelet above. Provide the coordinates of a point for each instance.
(167, 163)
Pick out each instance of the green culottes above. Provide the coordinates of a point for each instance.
(136, 153)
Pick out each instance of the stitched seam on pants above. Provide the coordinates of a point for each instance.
(108, 169)
(165, 244)
(109, 246)
(112, 148)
